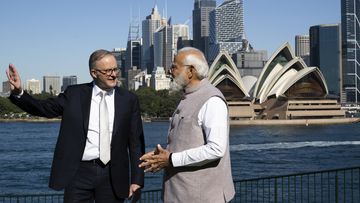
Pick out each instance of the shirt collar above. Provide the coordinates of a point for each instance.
(97, 90)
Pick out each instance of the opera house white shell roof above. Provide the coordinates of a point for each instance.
(224, 75)
(284, 75)
(288, 76)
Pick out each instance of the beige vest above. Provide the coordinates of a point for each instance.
(211, 182)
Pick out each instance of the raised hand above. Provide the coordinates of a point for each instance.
(14, 79)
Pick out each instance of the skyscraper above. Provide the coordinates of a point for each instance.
(51, 84)
(302, 47)
(6, 87)
(163, 47)
(180, 31)
(33, 86)
(202, 9)
(350, 32)
(226, 28)
(133, 54)
(325, 53)
(67, 81)
(133, 47)
(149, 26)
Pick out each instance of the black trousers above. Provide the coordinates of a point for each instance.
(91, 183)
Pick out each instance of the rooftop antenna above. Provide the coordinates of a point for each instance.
(166, 9)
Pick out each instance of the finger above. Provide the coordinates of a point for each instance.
(147, 155)
(146, 163)
(158, 147)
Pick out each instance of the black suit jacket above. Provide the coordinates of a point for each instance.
(73, 105)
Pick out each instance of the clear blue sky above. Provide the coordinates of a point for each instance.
(48, 37)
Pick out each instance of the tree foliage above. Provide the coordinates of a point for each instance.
(153, 104)
(157, 104)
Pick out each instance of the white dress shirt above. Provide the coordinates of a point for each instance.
(92, 150)
(213, 119)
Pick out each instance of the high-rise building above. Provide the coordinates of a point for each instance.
(163, 47)
(248, 61)
(325, 53)
(51, 84)
(33, 86)
(302, 47)
(149, 26)
(67, 81)
(133, 54)
(202, 9)
(5, 87)
(120, 55)
(226, 28)
(179, 31)
(350, 33)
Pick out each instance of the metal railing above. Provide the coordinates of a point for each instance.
(339, 185)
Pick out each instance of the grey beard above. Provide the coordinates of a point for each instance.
(175, 87)
(177, 84)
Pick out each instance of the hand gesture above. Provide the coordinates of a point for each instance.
(155, 160)
(14, 79)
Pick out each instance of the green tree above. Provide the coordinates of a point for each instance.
(157, 104)
(7, 107)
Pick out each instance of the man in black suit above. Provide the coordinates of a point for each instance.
(100, 134)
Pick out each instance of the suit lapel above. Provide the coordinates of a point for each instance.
(117, 106)
(86, 103)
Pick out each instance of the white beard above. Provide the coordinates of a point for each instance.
(177, 84)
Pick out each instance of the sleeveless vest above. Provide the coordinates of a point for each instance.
(211, 182)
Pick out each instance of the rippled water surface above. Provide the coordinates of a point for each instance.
(26, 151)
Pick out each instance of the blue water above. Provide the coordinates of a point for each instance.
(26, 152)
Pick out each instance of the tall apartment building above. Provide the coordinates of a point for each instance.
(350, 33)
(67, 81)
(51, 84)
(149, 26)
(226, 28)
(201, 24)
(6, 87)
(325, 53)
(33, 86)
(302, 47)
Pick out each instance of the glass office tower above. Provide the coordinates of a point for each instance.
(350, 29)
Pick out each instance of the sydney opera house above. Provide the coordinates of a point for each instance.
(286, 92)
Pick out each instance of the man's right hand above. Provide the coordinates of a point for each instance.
(14, 80)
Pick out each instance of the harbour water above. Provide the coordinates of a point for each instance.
(26, 151)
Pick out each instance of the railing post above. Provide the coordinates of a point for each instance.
(336, 187)
(275, 195)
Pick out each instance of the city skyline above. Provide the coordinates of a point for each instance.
(43, 38)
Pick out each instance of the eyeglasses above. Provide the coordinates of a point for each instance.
(109, 71)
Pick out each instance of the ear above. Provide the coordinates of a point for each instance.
(193, 72)
(93, 73)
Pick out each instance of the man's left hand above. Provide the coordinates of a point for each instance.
(156, 160)
(134, 192)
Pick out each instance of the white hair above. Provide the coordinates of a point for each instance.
(195, 58)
